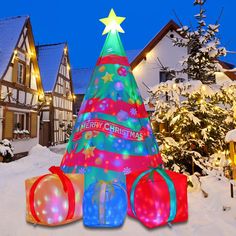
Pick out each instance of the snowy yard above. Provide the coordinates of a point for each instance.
(206, 215)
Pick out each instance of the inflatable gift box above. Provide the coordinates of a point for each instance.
(54, 199)
(105, 201)
(157, 197)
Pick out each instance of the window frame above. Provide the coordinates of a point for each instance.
(168, 75)
(18, 119)
(21, 63)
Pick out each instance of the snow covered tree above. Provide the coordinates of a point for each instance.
(203, 47)
(196, 113)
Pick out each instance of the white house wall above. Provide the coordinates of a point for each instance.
(3, 92)
(14, 95)
(8, 75)
(21, 96)
(46, 116)
(148, 71)
(221, 77)
(28, 98)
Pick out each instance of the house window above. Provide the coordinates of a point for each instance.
(20, 73)
(166, 75)
(65, 61)
(19, 121)
(64, 88)
(60, 116)
(68, 117)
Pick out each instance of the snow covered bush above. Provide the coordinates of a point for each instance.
(6, 150)
(197, 118)
(26, 133)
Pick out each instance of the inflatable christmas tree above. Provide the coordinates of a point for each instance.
(112, 130)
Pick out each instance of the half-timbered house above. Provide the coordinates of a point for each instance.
(21, 91)
(57, 117)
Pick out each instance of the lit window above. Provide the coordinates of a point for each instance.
(20, 73)
(19, 121)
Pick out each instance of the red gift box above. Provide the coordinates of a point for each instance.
(157, 197)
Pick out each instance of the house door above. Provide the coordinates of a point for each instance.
(44, 136)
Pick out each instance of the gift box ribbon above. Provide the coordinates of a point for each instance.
(171, 188)
(105, 191)
(67, 186)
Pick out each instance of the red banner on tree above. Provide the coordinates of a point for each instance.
(110, 128)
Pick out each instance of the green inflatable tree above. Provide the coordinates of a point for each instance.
(112, 130)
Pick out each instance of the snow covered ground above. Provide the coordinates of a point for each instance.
(206, 215)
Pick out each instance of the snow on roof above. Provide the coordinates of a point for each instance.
(231, 136)
(171, 25)
(49, 59)
(81, 78)
(10, 30)
(226, 64)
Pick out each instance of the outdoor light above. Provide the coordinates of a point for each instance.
(48, 100)
(73, 96)
(41, 96)
(65, 50)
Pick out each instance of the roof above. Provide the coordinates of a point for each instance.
(49, 60)
(228, 66)
(171, 25)
(10, 31)
(81, 78)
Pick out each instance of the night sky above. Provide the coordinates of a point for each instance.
(77, 22)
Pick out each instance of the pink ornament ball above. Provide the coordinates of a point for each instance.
(122, 71)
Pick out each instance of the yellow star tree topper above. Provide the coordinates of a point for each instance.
(112, 22)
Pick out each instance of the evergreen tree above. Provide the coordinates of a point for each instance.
(197, 118)
(203, 47)
(197, 113)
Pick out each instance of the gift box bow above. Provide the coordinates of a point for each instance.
(67, 186)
